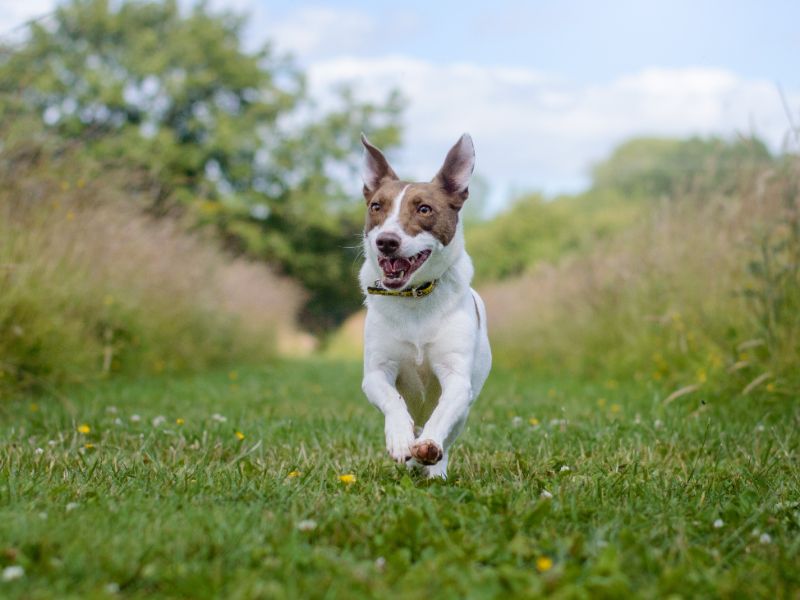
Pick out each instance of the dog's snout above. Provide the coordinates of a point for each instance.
(388, 243)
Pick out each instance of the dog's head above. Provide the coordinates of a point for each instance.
(412, 229)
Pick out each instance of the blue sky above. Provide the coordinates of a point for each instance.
(545, 88)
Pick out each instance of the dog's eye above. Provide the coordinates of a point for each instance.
(424, 209)
(374, 207)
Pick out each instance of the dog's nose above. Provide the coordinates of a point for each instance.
(388, 243)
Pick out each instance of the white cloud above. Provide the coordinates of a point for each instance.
(14, 13)
(535, 130)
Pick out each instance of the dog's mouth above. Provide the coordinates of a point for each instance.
(397, 270)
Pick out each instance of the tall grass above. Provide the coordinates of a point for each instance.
(90, 285)
(705, 293)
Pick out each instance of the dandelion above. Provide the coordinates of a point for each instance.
(89, 446)
(239, 436)
(307, 525)
(545, 495)
(218, 418)
(601, 402)
(544, 564)
(293, 474)
(564, 469)
(159, 421)
(84, 429)
(534, 421)
(718, 524)
(615, 408)
(347, 479)
(179, 421)
(13, 572)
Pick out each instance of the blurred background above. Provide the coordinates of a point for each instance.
(179, 182)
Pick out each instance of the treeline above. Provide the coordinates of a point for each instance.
(228, 138)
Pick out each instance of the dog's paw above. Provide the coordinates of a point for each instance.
(427, 452)
(398, 443)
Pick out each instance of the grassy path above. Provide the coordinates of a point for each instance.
(137, 489)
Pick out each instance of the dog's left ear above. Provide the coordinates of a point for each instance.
(456, 171)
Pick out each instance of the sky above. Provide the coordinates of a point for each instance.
(545, 88)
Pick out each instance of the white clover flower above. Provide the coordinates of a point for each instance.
(658, 424)
(52, 443)
(72, 506)
(718, 524)
(218, 418)
(516, 421)
(117, 421)
(545, 495)
(111, 409)
(135, 418)
(13, 572)
(112, 588)
(307, 525)
(38, 451)
(765, 538)
(760, 427)
(159, 421)
(380, 563)
(564, 469)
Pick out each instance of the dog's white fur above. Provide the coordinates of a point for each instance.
(425, 359)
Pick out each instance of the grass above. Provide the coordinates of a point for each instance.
(138, 508)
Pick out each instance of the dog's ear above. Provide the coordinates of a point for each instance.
(375, 169)
(456, 171)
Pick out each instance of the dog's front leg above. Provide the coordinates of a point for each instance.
(446, 422)
(378, 385)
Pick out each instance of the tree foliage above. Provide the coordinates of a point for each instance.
(228, 135)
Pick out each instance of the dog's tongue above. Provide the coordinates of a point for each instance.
(400, 264)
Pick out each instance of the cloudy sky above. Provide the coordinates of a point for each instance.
(545, 88)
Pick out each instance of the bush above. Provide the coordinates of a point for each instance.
(90, 285)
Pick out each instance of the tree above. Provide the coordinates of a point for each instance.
(230, 137)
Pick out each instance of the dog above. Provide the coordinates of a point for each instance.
(426, 347)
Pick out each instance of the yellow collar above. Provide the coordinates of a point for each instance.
(421, 290)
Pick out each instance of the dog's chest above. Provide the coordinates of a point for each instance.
(418, 385)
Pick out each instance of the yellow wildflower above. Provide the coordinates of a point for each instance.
(770, 387)
(615, 408)
(84, 429)
(233, 375)
(533, 421)
(601, 402)
(239, 435)
(551, 393)
(293, 474)
(179, 421)
(88, 446)
(34, 407)
(348, 478)
(544, 563)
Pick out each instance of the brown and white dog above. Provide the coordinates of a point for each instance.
(426, 350)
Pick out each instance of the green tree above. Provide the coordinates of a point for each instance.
(229, 136)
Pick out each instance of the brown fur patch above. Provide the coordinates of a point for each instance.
(441, 221)
(384, 196)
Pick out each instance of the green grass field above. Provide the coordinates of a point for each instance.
(136, 489)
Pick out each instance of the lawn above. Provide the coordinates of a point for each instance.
(273, 483)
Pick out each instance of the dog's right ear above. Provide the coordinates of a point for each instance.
(375, 169)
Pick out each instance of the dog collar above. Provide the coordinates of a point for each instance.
(421, 290)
